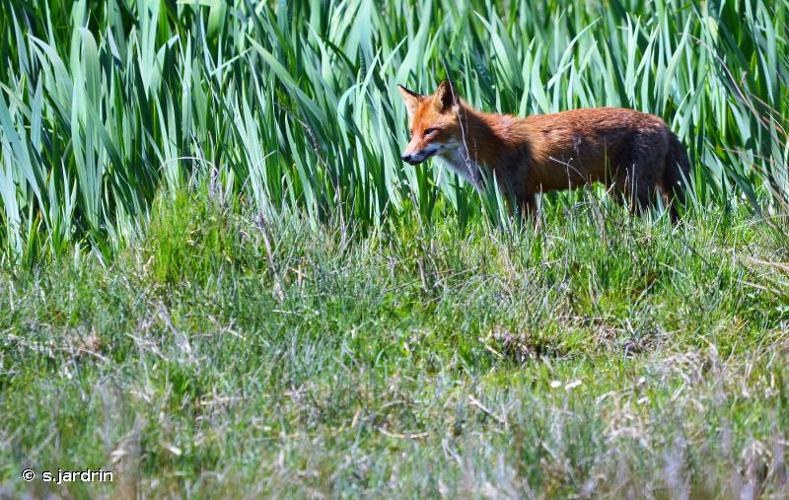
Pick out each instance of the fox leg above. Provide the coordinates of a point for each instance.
(528, 207)
(639, 191)
(644, 194)
(521, 198)
(637, 178)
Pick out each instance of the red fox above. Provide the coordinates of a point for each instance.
(633, 151)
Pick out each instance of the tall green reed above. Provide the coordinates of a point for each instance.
(292, 105)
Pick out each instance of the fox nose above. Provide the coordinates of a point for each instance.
(410, 159)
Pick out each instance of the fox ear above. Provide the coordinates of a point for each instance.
(410, 98)
(445, 96)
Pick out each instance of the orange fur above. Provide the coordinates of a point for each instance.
(634, 152)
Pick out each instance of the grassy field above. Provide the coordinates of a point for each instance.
(602, 355)
(218, 279)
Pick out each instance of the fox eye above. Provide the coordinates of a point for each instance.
(429, 130)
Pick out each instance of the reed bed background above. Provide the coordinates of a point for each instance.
(293, 105)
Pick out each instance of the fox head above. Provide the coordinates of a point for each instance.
(433, 122)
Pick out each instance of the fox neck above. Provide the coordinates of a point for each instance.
(482, 143)
(462, 164)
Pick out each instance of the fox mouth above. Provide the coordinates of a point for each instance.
(416, 159)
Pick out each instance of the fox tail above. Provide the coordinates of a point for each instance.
(676, 174)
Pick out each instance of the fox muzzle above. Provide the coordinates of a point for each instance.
(417, 158)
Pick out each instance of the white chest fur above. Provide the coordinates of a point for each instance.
(466, 168)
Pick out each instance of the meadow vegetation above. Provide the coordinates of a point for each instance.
(219, 278)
